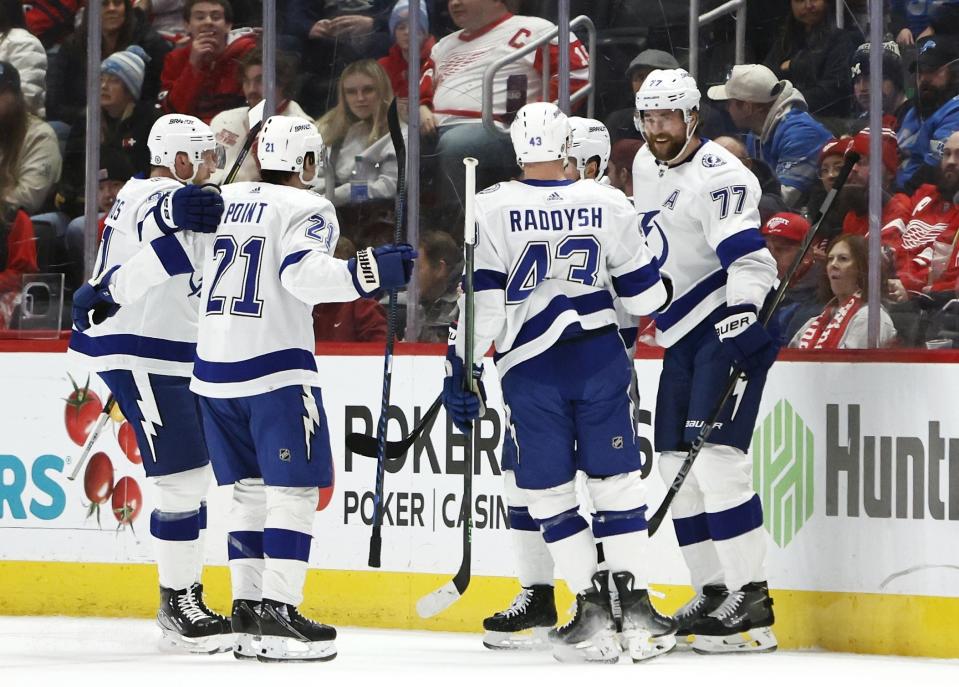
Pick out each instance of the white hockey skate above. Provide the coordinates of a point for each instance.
(646, 633)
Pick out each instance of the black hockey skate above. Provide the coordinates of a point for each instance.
(742, 623)
(188, 625)
(245, 621)
(285, 635)
(526, 623)
(646, 633)
(590, 635)
(691, 615)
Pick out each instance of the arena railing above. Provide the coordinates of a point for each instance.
(698, 21)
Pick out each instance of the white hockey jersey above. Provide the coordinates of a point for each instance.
(269, 262)
(701, 219)
(158, 333)
(453, 79)
(549, 257)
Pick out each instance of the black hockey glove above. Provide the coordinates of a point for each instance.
(746, 341)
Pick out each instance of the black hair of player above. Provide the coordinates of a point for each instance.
(279, 177)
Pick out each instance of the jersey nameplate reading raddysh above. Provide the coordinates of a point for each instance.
(564, 219)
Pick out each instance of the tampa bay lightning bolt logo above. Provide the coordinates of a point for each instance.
(655, 236)
(196, 284)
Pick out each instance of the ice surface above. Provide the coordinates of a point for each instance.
(71, 651)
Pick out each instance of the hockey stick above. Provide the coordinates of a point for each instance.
(366, 445)
(399, 146)
(94, 435)
(444, 597)
(707, 429)
(255, 120)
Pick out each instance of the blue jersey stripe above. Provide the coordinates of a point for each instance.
(489, 280)
(538, 325)
(635, 282)
(254, 368)
(739, 244)
(292, 259)
(685, 304)
(172, 256)
(133, 345)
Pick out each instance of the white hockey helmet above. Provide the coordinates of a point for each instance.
(540, 133)
(176, 133)
(284, 143)
(589, 139)
(667, 89)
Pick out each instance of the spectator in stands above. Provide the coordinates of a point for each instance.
(121, 27)
(201, 78)
(18, 256)
(166, 17)
(438, 271)
(771, 200)
(936, 114)
(894, 101)
(331, 34)
(909, 20)
(396, 62)
(781, 132)
(813, 54)
(784, 233)
(452, 87)
(854, 197)
(620, 123)
(620, 168)
(125, 123)
(360, 320)
(51, 20)
(29, 154)
(843, 322)
(25, 52)
(232, 126)
(356, 133)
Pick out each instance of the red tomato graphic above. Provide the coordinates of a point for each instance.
(127, 501)
(98, 478)
(128, 443)
(80, 414)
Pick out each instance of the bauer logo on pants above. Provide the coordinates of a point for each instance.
(783, 453)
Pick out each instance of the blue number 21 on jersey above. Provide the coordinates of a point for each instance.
(535, 262)
(246, 304)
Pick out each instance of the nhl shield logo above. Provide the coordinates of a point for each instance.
(617, 442)
(285, 455)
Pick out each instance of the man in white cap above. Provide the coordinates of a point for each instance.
(781, 131)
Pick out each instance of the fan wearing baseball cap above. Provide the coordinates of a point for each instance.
(936, 114)
(784, 233)
(782, 133)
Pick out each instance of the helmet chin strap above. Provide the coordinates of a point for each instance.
(666, 164)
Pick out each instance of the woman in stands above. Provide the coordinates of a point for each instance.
(843, 322)
(814, 55)
(355, 131)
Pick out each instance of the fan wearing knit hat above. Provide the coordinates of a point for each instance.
(129, 67)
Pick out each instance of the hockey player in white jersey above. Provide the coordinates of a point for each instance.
(145, 354)
(588, 151)
(698, 206)
(525, 623)
(547, 253)
(269, 263)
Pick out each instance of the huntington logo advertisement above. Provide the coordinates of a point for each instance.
(783, 450)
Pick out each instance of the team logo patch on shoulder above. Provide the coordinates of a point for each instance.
(491, 189)
(710, 160)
